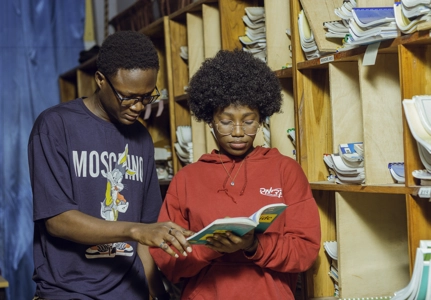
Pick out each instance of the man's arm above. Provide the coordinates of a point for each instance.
(153, 275)
(81, 228)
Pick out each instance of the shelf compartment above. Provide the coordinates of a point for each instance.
(371, 243)
(386, 46)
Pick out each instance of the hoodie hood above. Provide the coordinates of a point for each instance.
(257, 155)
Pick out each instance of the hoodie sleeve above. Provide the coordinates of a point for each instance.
(176, 268)
(292, 245)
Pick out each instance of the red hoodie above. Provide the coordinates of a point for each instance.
(201, 192)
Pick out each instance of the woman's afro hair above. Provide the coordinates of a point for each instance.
(126, 50)
(233, 77)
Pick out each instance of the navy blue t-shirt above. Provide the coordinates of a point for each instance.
(81, 162)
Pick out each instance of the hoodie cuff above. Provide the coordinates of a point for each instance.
(257, 254)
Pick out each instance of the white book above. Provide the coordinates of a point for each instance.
(413, 3)
(423, 107)
(256, 13)
(373, 16)
(358, 31)
(413, 12)
(415, 125)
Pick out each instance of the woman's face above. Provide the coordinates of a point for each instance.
(235, 128)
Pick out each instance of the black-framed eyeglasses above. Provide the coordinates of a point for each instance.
(249, 127)
(144, 99)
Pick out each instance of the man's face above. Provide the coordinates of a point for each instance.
(136, 86)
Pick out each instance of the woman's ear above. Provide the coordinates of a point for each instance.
(212, 129)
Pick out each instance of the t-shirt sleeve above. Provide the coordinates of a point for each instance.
(49, 169)
(153, 198)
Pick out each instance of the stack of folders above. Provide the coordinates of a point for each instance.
(418, 114)
(409, 14)
(306, 37)
(397, 171)
(419, 287)
(348, 164)
(371, 24)
(254, 40)
(331, 250)
(340, 28)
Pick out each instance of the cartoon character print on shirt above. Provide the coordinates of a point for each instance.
(113, 204)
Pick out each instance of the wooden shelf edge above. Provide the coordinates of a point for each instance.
(418, 37)
(284, 73)
(379, 189)
(195, 6)
(154, 29)
(181, 98)
(164, 181)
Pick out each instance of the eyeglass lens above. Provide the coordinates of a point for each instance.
(248, 128)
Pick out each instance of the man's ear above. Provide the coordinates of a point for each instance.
(99, 78)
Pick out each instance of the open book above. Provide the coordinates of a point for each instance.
(259, 221)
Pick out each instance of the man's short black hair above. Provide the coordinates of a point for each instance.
(126, 50)
(234, 77)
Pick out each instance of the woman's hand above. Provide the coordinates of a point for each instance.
(229, 242)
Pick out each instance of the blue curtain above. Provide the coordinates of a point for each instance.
(39, 40)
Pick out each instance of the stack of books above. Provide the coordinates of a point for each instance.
(418, 114)
(371, 24)
(254, 40)
(184, 146)
(331, 249)
(409, 14)
(348, 164)
(306, 37)
(419, 286)
(340, 28)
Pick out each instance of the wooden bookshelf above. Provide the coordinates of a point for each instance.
(329, 100)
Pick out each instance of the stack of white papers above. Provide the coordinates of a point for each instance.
(419, 286)
(331, 249)
(306, 37)
(348, 164)
(254, 40)
(339, 28)
(418, 114)
(409, 24)
(371, 24)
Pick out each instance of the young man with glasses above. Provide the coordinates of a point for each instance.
(233, 93)
(96, 195)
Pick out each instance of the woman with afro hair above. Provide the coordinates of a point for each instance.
(233, 93)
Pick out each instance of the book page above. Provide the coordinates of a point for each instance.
(266, 215)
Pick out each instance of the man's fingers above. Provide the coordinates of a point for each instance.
(178, 241)
(164, 246)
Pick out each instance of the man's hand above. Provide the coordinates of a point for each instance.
(163, 235)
